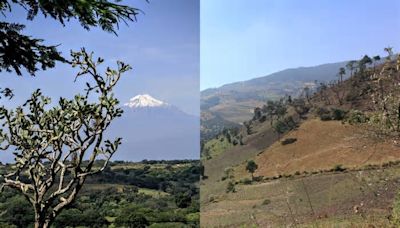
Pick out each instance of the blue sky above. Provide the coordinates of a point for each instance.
(162, 47)
(243, 39)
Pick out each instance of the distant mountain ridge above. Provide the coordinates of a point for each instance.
(322, 72)
(235, 102)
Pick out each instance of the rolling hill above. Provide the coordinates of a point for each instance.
(234, 103)
(330, 160)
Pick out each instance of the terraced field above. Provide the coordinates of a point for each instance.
(337, 199)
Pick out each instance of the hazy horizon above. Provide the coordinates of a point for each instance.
(243, 40)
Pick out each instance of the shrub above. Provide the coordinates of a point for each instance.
(193, 217)
(258, 178)
(167, 225)
(333, 114)
(266, 202)
(132, 219)
(246, 181)
(230, 187)
(356, 117)
(325, 117)
(321, 111)
(338, 114)
(339, 168)
(288, 141)
(228, 173)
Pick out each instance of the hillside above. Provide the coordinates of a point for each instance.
(329, 157)
(235, 102)
(323, 145)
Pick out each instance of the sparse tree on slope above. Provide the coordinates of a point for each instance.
(376, 59)
(389, 51)
(351, 66)
(341, 73)
(364, 62)
(51, 143)
(251, 167)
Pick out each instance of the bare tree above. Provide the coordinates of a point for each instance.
(389, 51)
(56, 147)
(386, 98)
(339, 93)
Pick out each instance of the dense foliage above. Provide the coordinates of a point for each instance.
(125, 195)
(51, 143)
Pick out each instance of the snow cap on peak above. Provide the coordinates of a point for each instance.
(144, 100)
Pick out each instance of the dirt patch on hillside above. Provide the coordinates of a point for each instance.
(321, 145)
(338, 199)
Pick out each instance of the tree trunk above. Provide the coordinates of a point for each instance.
(41, 221)
(39, 216)
(43, 224)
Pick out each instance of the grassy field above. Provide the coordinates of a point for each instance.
(323, 145)
(216, 146)
(308, 194)
(341, 199)
(121, 187)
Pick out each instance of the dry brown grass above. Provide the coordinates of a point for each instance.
(352, 199)
(321, 145)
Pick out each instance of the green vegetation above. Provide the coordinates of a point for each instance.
(230, 187)
(215, 147)
(288, 141)
(363, 109)
(228, 138)
(251, 167)
(338, 168)
(152, 193)
(266, 202)
(395, 217)
(21, 52)
(228, 173)
(51, 143)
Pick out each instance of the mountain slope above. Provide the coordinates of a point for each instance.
(235, 102)
(336, 166)
(152, 129)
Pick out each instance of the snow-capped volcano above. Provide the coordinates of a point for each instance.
(153, 129)
(145, 100)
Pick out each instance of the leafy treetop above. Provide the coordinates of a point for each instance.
(56, 147)
(18, 51)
